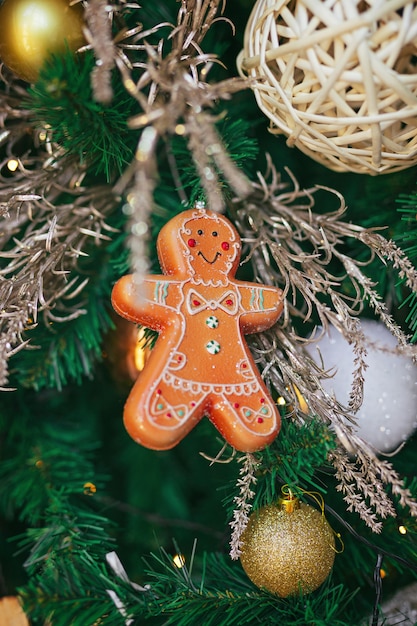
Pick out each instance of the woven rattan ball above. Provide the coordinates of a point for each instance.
(338, 78)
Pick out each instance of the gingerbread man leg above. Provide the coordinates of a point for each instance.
(237, 415)
(160, 417)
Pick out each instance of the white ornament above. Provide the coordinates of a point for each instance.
(388, 415)
(338, 79)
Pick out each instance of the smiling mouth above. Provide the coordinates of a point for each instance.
(216, 256)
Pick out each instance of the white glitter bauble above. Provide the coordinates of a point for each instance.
(388, 415)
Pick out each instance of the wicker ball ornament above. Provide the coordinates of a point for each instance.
(338, 79)
(287, 548)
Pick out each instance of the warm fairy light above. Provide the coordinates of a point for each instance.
(12, 165)
(301, 401)
(89, 489)
(383, 573)
(281, 401)
(39, 464)
(139, 228)
(180, 129)
(141, 351)
(402, 530)
(179, 560)
(130, 85)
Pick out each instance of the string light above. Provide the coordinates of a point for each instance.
(12, 165)
(178, 560)
(402, 530)
(140, 352)
(89, 489)
(301, 401)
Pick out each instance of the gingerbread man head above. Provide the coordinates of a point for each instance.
(202, 243)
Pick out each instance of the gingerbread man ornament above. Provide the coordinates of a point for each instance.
(201, 364)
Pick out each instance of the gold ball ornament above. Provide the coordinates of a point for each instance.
(30, 30)
(338, 79)
(288, 548)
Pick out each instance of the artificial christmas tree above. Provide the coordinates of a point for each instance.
(148, 121)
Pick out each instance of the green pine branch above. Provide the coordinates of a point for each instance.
(48, 481)
(62, 103)
(295, 458)
(47, 460)
(221, 595)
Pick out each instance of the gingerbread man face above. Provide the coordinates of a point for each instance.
(210, 245)
(211, 241)
(201, 364)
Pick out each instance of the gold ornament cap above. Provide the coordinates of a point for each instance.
(288, 502)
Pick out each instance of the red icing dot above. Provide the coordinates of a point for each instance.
(192, 403)
(191, 243)
(158, 391)
(196, 302)
(260, 420)
(229, 302)
(262, 400)
(236, 405)
(169, 414)
(244, 366)
(225, 245)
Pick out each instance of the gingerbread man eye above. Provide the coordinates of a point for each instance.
(214, 233)
(225, 245)
(199, 232)
(191, 243)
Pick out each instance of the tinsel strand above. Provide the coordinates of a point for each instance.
(99, 35)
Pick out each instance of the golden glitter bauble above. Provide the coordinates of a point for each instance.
(288, 548)
(30, 30)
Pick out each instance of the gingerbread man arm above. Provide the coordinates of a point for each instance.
(262, 306)
(148, 302)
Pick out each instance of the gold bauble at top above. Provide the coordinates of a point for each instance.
(31, 30)
(288, 548)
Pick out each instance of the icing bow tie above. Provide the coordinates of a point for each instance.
(228, 302)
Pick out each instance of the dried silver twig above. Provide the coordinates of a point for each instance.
(42, 235)
(241, 513)
(175, 97)
(292, 246)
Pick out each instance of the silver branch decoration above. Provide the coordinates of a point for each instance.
(296, 248)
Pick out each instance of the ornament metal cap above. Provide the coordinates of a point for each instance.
(289, 502)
